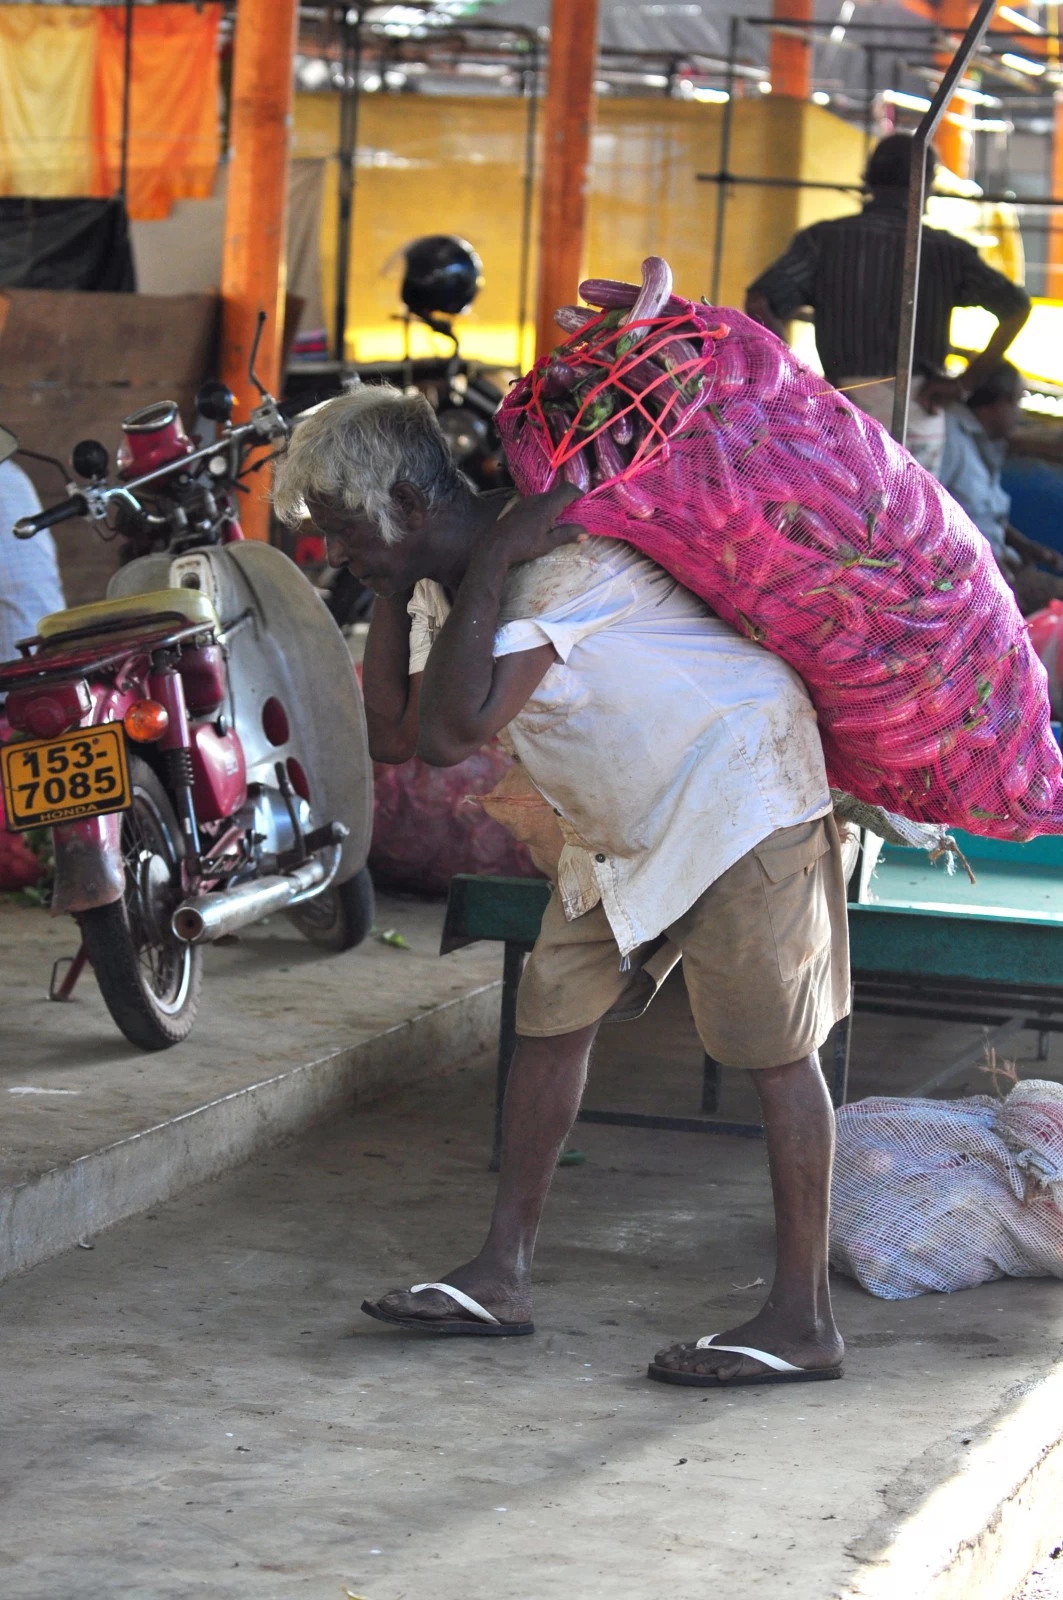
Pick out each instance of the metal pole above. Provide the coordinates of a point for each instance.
(127, 87)
(524, 273)
(869, 89)
(347, 157)
(725, 158)
(738, 179)
(913, 240)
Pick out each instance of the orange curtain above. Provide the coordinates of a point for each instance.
(47, 64)
(174, 105)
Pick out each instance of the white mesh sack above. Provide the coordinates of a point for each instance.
(946, 1194)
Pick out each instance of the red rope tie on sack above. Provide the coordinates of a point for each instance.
(595, 346)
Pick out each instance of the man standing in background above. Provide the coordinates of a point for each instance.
(29, 589)
(849, 270)
(30, 586)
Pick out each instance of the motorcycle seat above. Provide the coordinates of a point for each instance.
(188, 605)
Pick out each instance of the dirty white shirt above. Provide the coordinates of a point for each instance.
(668, 743)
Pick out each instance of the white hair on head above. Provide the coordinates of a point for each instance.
(353, 450)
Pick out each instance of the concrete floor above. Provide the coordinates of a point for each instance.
(195, 1405)
(70, 1084)
(170, 1392)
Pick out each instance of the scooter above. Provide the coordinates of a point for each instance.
(196, 741)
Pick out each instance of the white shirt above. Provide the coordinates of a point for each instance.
(667, 742)
(29, 569)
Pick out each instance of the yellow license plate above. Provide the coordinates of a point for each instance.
(81, 774)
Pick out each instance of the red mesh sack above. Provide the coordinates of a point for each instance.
(701, 440)
(428, 824)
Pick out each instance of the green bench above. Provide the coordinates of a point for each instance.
(925, 943)
(509, 911)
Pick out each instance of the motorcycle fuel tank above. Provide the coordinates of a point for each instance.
(294, 697)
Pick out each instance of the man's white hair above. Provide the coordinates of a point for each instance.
(353, 450)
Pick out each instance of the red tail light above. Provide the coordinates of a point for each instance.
(51, 711)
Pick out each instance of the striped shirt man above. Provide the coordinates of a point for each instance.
(848, 271)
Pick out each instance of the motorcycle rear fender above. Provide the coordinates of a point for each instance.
(88, 863)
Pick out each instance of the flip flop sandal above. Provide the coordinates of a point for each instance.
(480, 1324)
(779, 1371)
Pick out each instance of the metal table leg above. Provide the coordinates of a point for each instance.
(843, 1040)
(710, 1085)
(512, 967)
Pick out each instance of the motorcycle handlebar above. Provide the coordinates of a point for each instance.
(27, 527)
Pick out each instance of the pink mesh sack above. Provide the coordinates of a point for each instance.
(701, 440)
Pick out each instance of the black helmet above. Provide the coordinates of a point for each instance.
(443, 276)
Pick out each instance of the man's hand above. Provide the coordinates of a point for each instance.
(758, 306)
(938, 392)
(531, 528)
(1040, 555)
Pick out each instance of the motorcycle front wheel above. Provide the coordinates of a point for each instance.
(149, 979)
(340, 917)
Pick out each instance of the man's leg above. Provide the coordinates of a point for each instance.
(795, 1322)
(765, 955)
(543, 1097)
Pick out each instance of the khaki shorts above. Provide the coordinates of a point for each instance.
(765, 957)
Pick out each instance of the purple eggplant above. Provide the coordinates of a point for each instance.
(612, 466)
(573, 319)
(559, 380)
(577, 471)
(655, 292)
(612, 296)
(623, 429)
(608, 292)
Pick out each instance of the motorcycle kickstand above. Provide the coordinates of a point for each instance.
(64, 990)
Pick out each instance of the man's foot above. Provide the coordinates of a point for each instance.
(815, 1350)
(505, 1297)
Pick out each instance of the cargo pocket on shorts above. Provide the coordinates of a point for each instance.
(792, 863)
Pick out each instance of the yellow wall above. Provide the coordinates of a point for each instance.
(453, 165)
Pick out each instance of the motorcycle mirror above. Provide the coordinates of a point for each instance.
(215, 401)
(8, 444)
(48, 461)
(251, 373)
(90, 460)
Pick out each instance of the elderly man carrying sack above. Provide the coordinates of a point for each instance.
(685, 768)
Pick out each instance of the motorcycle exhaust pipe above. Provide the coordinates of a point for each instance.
(210, 916)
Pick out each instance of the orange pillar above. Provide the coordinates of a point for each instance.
(954, 144)
(790, 59)
(566, 159)
(253, 265)
(1054, 273)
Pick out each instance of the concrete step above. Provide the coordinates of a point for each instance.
(95, 1131)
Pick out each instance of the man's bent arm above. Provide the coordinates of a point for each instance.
(467, 695)
(759, 307)
(391, 695)
(938, 391)
(1006, 330)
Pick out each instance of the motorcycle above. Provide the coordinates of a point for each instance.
(195, 742)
